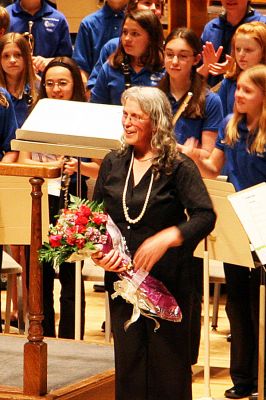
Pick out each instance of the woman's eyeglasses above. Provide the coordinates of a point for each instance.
(61, 84)
(135, 118)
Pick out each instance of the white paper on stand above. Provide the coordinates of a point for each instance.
(250, 207)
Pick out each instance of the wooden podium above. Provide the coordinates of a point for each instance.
(66, 128)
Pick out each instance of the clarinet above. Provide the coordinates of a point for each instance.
(182, 107)
(126, 72)
(65, 181)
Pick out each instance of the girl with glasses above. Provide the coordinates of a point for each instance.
(61, 80)
(197, 114)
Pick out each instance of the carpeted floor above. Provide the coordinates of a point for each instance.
(68, 361)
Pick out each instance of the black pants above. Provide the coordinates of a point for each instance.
(242, 307)
(152, 365)
(196, 308)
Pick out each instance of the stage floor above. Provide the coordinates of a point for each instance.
(69, 361)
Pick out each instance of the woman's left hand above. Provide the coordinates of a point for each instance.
(153, 248)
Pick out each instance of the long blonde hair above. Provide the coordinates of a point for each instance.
(28, 76)
(257, 31)
(256, 142)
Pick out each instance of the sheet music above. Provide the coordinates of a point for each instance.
(250, 207)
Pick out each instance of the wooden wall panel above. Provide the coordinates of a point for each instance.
(76, 11)
(190, 13)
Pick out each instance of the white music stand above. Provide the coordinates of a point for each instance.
(229, 243)
(75, 129)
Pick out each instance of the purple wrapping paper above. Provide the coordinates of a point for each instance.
(148, 295)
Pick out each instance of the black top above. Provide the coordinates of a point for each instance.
(170, 197)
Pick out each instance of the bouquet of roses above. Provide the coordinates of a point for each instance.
(83, 229)
(80, 230)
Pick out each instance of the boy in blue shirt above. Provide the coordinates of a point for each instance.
(94, 31)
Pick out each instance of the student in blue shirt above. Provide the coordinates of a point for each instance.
(94, 31)
(241, 143)
(17, 75)
(49, 28)
(8, 126)
(202, 115)
(138, 60)
(218, 34)
(155, 6)
(200, 119)
(248, 49)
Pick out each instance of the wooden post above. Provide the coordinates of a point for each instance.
(35, 351)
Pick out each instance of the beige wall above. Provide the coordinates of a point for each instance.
(76, 10)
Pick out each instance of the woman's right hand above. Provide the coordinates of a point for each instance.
(111, 261)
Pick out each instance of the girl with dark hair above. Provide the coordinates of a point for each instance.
(71, 88)
(202, 115)
(138, 60)
(198, 114)
(156, 6)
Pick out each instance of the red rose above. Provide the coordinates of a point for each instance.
(71, 240)
(81, 228)
(55, 240)
(85, 210)
(81, 220)
(80, 243)
(99, 218)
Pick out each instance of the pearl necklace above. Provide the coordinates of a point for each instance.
(127, 217)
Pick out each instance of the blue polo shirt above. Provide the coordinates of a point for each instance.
(8, 125)
(109, 48)
(220, 32)
(50, 29)
(227, 95)
(193, 127)
(244, 169)
(110, 83)
(94, 31)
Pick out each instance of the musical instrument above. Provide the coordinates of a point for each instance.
(182, 107)
(65, 181)
(29, 36)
